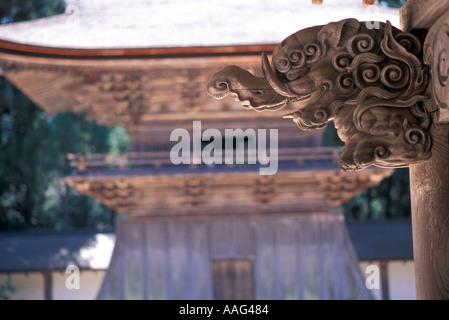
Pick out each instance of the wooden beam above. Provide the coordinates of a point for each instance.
(430, 219)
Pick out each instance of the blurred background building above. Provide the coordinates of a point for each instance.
(183, 231)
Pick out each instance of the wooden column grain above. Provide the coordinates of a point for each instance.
(429, 185)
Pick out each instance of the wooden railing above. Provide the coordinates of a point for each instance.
(157, 159)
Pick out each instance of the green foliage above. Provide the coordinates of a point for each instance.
(33, 149)
(391, 199)
(330, 136)
(7, 289)
(119, 141)
(388, 200)
(21, 10)
(392, 3)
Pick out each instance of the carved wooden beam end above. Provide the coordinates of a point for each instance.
(371, 82)
(436, 56)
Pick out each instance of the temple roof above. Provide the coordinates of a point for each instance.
(37, 251)
(373, 240)
(93, 24)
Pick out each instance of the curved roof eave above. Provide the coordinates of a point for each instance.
(111, 25)
(134, 53)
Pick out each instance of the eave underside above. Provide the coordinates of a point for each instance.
(232, 193)
(134, 91)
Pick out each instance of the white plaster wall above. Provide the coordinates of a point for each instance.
(377, 293)
(402, 280)
(90, 284)
(29, 286)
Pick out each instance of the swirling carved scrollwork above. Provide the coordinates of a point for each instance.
(371, 82)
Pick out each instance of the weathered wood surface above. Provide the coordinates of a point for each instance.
(429, 180)
(302, 257)
(128, 91)
(215, 193)
(233, 279)
(436, 47)
(421, 14)
(430, 219)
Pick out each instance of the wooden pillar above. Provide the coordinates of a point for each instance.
(48, 285)
(384, 280)
(429, 185)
